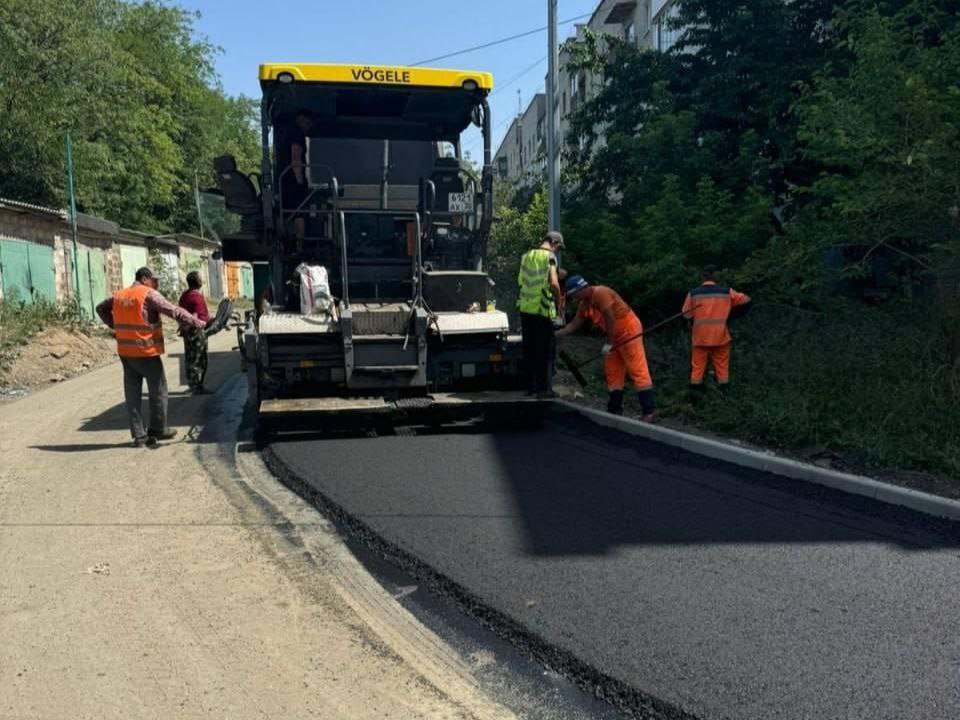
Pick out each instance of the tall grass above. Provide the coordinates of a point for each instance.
(879, 386)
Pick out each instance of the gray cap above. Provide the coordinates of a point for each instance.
(556, 238)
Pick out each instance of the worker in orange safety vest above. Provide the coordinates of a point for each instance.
(623, 355)
(133, 313)
(708, 308)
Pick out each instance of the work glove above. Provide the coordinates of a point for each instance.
(607, 347)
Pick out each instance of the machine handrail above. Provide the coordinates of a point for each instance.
(344, 276)
(418, 270)
(335, 186)
(417, 255)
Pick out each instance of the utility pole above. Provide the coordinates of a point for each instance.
(73, 223)
(553, 155)
(196, 198)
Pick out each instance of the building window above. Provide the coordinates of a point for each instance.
(630, 34)
(574, 84)
(664, 33)
(564, 104)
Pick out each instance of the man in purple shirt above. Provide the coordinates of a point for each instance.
(195, 341)
(144, 362)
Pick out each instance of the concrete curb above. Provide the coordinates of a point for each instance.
(767, 461)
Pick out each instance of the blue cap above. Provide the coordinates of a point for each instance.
(575, 283)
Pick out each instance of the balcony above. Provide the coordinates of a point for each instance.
(620, 13)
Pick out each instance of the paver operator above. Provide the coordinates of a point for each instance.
(623, 356)
(134, 315)
(540, 302)
(708, 309)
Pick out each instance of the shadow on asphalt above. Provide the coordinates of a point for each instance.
(575, 488)
(582, 489)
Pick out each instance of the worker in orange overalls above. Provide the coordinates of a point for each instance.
(708, 308)
(607, 310)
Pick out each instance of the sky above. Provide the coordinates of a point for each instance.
(388, 32)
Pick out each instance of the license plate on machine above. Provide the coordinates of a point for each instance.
(460, 202)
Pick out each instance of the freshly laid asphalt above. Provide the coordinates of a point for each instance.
(710, 590)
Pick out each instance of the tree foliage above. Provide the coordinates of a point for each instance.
(136, 89)
(885, 133)
(811, 149)
(798, 143)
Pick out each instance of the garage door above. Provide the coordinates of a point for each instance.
(26, 271)
(132, 258)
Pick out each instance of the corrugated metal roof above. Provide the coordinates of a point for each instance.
(96, 224)
(30, 207)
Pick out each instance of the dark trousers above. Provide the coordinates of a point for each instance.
(135, 371)
(539, 346)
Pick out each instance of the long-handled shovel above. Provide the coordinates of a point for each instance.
(574, 367)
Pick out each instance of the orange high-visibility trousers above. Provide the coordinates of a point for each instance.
(719, 355)
(629, 359)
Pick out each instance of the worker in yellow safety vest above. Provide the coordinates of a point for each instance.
(134, 315)
(540, 301)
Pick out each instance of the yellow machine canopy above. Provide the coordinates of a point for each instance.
(375, 75)
(374, 101)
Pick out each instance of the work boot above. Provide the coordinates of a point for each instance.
(199, 390)
(697, 393)
(615, 403)
(141, 442)
(648, 404)
(167, 434)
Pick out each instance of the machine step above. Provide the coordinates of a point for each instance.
(386, 369)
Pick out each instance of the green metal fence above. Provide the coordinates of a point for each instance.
(92, 272)
(132, 258)
(27, 271)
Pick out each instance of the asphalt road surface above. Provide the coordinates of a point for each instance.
(711, 591)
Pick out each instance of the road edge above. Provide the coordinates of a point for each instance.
(770, 462)
(630, 700)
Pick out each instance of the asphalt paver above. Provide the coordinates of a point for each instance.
(716, 591)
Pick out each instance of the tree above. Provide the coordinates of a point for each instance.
(135, 87)
(887, 135)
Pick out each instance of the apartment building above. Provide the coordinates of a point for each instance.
(644, 23)
(521, 154)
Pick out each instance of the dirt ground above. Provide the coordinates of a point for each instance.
(54, 355)
(184, 582)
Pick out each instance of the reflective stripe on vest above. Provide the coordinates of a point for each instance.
(534, 280)
(713, 304)
(136, 338)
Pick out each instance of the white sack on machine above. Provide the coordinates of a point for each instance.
(315, 298)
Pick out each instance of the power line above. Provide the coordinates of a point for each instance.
(519, 75)
(477, 140)
(497, 42)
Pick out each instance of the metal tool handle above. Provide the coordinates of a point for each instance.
(672, 318)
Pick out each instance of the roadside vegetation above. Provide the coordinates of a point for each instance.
(135, 86)
(811, 149)
(21, 321)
